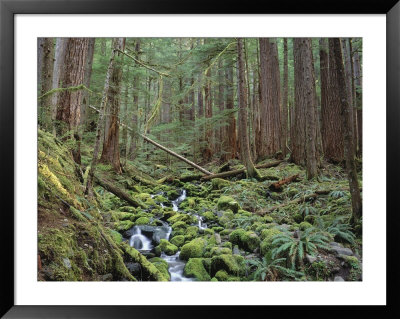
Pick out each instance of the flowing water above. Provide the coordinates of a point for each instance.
(144, 244)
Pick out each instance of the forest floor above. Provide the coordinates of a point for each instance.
(218, 230)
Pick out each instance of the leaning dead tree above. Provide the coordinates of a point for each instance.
(162, 147)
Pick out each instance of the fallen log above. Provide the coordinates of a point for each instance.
(162, 147)
(118, 192)
(299, 200)
(241, 171)
(277, 187)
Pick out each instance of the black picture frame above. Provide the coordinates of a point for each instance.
(8, 8)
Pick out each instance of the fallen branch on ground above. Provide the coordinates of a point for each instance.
(118, 192)
(241, 171)
(277, 187)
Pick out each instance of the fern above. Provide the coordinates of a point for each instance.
(294, 249)
(338, 229)
(271, 270)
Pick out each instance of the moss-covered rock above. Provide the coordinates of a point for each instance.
(209, 216)
(267, 236)
(195, 268)
(193, 249)
(226, 218)
(218, 183)
(142, 221)
(222, 275)
(227, 202)
(248, 240)
(120, 215)
(298, 218)
(123, 225)
(178, 240)
(232, 264)
(166, 247)
(305, 225)
(216, 251)
(161, 265)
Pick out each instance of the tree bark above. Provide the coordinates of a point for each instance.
(304, 150)
(270, 99)
(46, 72)
(73, 74)
(358, 98)
(277, 187)
(244, 139)
(348, 138)
(285, 98)
(110, 153)
(100, 126)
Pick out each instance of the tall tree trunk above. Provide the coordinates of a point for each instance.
(208, 153)
(305, 148)
(110, 153)
(348, 138)
(47, 66)
(100, 125)
(349, 80)
(358, 98)
(125, 119)
(73, 74)
(242, 97)
(88, 76)
(270, 99)
(230, 143)
(134, 123)
(331, 127)
(284, 121)
(59, 58)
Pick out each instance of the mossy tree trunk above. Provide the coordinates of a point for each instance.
(242, 117)
(348, 137)
(110, 153)
(46, 50)
(69, 102)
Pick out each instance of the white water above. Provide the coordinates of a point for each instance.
(175, 267)
(180, 199)
(139, 241)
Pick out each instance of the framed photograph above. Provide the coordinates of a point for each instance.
(161, 155)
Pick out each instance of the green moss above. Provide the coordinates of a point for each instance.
(193, 249)
(221, 275)
(119, 215)
(166, 247)
(209, 216)
(179, 225)
(305, 225)
(142, 221)
(216, 251)
(149, 269)
(178, 240)
(116, 236)
(218, 183)
(180, 218)
(232, 264)
(195, 268)
(227, 244)
(226, 218)
(123, 225)
(191, 232)
(267, 236)
(208, 231)
(248, 240)
(217, 229)
(268, 219)
(227, 202)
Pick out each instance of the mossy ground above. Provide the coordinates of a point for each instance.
(81, 239)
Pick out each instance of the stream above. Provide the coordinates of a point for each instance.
(143, 237)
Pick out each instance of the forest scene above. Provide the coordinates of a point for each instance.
(199, 159)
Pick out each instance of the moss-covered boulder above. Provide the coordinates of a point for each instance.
(248, 240)
(232, 264)
(178, 240)
(191, 232)
(193, 249)
(227, 202)
(222, 275)
(123, 225)
(195, 268)
(166, 247)
(226, 218)
(218, 183)
(216, 251)
(305, 225)
(142, 221)
(161, 265)
(267, 236)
